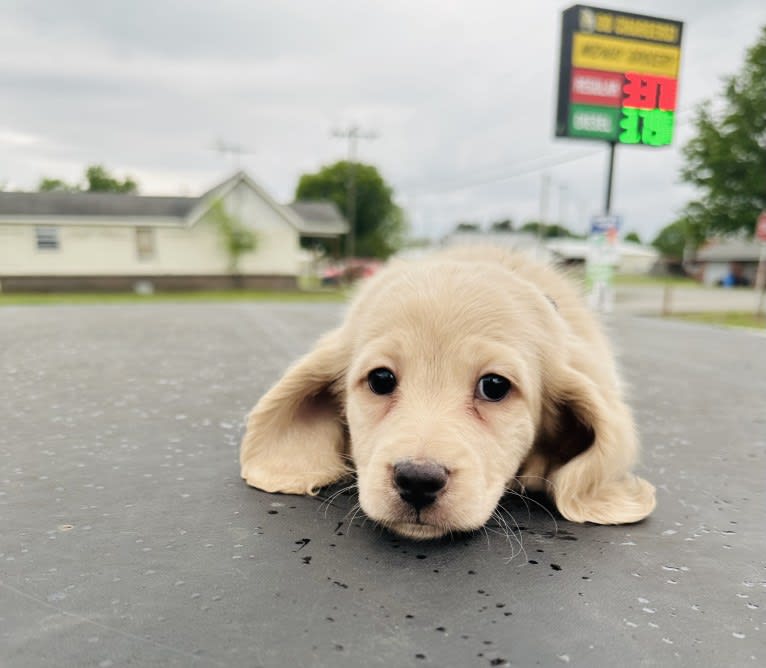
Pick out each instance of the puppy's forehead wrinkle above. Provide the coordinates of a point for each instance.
(427, 306)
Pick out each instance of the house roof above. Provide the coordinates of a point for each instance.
(320, 218)
(94, 204)
(730, 250)
(314, 218)
(573, 249)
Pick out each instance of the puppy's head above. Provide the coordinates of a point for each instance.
(443, 393)
(446, 379)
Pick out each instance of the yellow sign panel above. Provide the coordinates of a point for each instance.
(637, 27)
(612, 54)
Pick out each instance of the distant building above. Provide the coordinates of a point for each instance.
(58, 241)
(729, 262)
(634, 258)
(322, 220)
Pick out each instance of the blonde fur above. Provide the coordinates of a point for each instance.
(440, 324)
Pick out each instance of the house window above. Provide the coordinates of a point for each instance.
(47, 238)
(145, 243)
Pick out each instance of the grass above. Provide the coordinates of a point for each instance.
(726, 319)
(658, 281)
(17, 299)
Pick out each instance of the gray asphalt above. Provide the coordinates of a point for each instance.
(127, 538)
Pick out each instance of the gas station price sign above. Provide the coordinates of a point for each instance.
(618, 77)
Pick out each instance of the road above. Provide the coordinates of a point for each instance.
(127, 537)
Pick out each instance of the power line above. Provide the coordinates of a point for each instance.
(506, 177)
(453, 186)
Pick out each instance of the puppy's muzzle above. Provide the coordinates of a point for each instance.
(419, 482)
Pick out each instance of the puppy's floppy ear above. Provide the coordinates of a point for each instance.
(295, 437)
(590, 450)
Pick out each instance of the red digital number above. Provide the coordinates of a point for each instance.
(647, 92)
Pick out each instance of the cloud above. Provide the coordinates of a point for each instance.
(461, 95)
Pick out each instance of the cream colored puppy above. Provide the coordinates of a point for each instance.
(450, 380)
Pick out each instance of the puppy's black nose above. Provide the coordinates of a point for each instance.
(419, 482)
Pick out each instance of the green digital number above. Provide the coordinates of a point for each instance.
(629, 125)
(653, 127)
(658, 127)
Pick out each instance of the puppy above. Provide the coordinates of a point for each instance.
(450, 381)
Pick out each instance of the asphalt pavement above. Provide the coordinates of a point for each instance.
(128, 539)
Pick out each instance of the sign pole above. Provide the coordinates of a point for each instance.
(609, 178)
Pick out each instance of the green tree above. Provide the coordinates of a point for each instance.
(726, 160)
(547, 231)
(502, 225)
(683, 236)
(100, 180)
(468, 227)
(633, 236)
(237, 238)
(47, 185)
(97, 180)
(379, 226)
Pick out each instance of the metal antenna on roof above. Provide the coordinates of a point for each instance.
(236, 150)
(353, 133)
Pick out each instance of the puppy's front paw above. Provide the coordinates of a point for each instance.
(286, 482)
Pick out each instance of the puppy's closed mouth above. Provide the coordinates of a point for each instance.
(416, 530)
(422, 524)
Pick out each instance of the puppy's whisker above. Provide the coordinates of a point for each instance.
(537, 503)
(350, 513)
(336, 494)
(516, 533)
(518, 479)
(500, 529)
(486, 533)
(328, 501)
(511, 534)
(357, 511)
(496, 514)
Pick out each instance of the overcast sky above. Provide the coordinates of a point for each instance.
(461, 96)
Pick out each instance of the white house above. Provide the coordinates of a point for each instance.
(84, 241)
(731, 261)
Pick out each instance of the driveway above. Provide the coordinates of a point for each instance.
(127, 537)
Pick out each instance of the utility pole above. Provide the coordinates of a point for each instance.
(353, 133)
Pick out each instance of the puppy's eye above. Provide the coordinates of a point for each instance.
(381, 381)
(492, 387)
